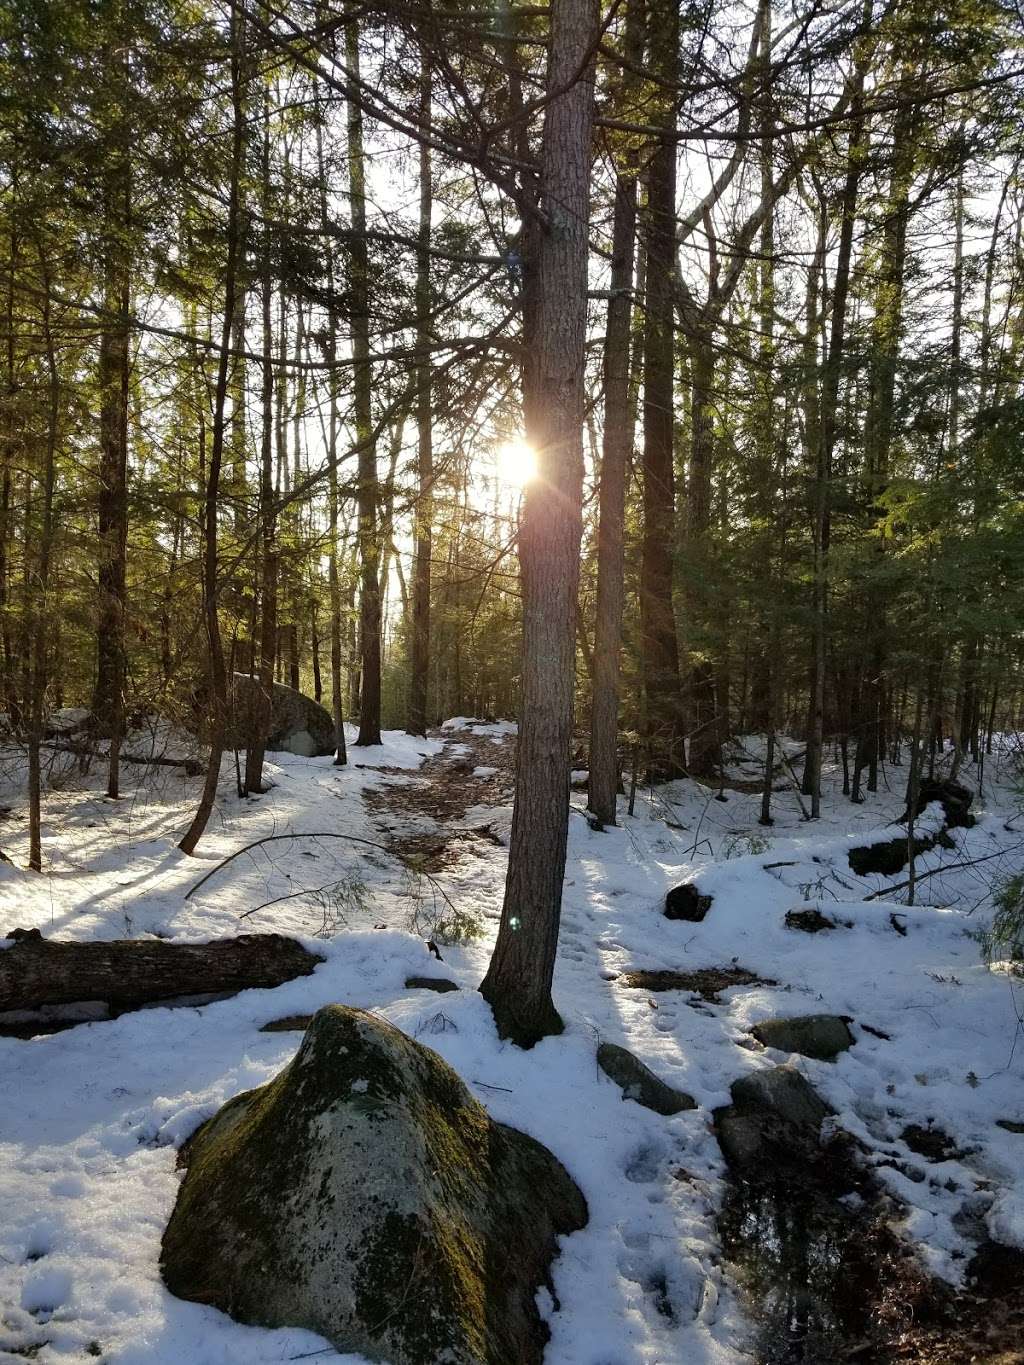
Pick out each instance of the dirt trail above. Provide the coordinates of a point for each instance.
(425, 815)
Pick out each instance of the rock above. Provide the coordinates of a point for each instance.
(298, 724)
(639, 1083)
(812, 921)
(365, 1195)
(290, 1023)
(822, 1036)
(887, 858)
(775, 1114)
(1010, 1125)
(954, 798)
(685, 902)
(441, 984)
(891, 857)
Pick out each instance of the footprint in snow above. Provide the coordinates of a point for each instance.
(642, 1165)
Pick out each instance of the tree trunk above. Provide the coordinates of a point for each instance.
(112, 501)
(605, 776)
(827, 439)
(217, 671)
(43, 529)
(664, 726)
(887, 325)
(420, 676)
(369, 545)
(705, 748)
(518, 981)
(262, 709)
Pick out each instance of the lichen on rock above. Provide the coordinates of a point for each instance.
(365, 1195)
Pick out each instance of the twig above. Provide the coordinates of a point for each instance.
(333, 834)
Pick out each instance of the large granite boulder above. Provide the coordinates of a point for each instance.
(298, 724)
(365, 1195)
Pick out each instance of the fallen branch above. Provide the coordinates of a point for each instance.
(191, 766)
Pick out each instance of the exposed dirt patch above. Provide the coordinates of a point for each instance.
(814, 922)
(931, 1143)
(706, 982)
(442, 791)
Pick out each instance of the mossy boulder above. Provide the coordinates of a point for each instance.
(365, 1195)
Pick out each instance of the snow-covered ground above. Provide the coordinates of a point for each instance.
(90, 1118)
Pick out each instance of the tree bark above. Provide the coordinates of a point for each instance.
(518, 981)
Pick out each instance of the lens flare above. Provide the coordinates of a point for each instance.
(516, 463)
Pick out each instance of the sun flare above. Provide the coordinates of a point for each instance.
(516, 462)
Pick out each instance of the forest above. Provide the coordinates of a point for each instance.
(521, 502)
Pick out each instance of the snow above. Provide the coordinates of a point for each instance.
(90, 1118)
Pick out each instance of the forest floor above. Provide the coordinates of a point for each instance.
(90, 1117)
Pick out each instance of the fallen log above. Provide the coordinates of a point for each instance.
(127, 973)
(192, 767)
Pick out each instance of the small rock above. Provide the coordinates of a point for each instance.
(1011, 1125)
(685, 902)
(638, 1082)
(821, 1036)
(774, 1113)
(441, 984)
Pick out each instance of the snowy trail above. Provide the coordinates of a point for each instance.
(90, 1118)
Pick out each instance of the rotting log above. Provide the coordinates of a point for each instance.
(129, 973)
